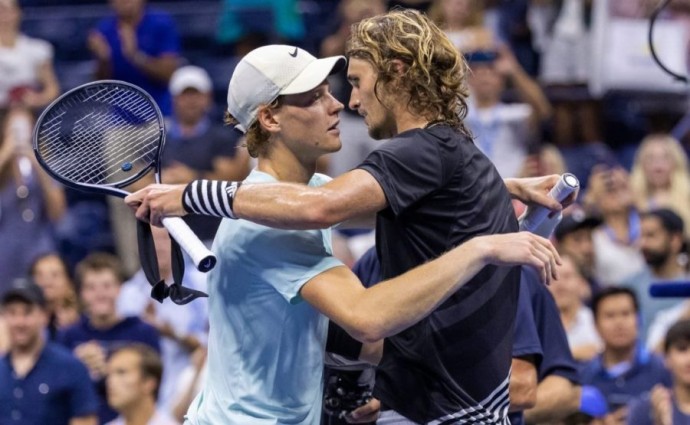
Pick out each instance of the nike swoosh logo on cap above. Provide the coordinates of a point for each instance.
(294, 54)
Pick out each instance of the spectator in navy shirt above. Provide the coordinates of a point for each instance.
(666, 406)
(625, 369)
(102, 329)
(544, 375)
(40, 383)
(137, 45)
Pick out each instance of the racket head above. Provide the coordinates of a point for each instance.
(101, 136)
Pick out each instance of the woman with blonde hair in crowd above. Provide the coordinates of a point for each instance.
(660, 176)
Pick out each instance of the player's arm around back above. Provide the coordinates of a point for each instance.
(296, 206)
(370, 314)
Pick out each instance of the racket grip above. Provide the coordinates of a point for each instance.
(536, 214)
(203, 258)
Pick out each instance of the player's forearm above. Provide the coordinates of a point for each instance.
(396, 304)
(557, 398)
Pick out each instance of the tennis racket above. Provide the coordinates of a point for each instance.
(103, 136)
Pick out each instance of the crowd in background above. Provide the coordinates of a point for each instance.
(544, 98)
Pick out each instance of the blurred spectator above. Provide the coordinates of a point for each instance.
(503, 131)
(102, 329)
(544, 381)
(247, 24)
(574, 239)
(577, 318)
(138, 45)
(664, 405)
(30, 202)
(662, 245)
(547, 160)
(463, 23)
(349, 12)
(27, 76)
(183, 329)
(51, 273)
(660, 177)
(190, 382)
(197, 148)
(421, 5)
(40, 382)
(134, 377)
(624, 370)
(4, 336)
(617, 255)
(565, 70)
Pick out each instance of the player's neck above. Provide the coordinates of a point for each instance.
(406, 120)
(671, 269)
(282, 171)
(286, 166)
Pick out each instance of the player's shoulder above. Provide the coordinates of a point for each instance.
(319, 179)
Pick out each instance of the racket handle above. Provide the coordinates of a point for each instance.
(203, 258)
(536, 214)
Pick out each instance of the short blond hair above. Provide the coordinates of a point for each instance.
(256, 138)
(436, 76)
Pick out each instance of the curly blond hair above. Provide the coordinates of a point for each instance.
(435, 79)
(256, 138)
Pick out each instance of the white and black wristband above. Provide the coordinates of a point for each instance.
(210, 197)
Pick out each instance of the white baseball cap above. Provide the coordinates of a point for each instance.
(270, 71)
(190, 77)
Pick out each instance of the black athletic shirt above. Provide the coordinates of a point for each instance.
(453, 366)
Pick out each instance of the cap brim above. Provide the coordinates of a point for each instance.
(314, 74)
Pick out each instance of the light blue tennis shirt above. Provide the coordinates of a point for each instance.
(266, 344)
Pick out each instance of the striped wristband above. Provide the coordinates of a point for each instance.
(210, 197)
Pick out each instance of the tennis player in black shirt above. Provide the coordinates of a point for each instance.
(431, 190)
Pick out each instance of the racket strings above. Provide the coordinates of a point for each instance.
(115, 136)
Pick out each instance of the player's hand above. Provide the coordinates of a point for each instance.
(367, 413)
(157, 201)
(535, 190)
(522, 248)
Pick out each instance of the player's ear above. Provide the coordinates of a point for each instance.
(268, 119)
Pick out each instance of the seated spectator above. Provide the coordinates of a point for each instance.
(195, 147)
(138, 45)
(624, 370)
(247, 24)
(668, 405)
(51, 273)
(182, 329)
(31, 203)
(576, 317)
(134, 377)
(503, 131)
(28, 77)
(617, 255)
(40, 382)
(102, 329)
(660, 177)
(663, 247)
(574, 239)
